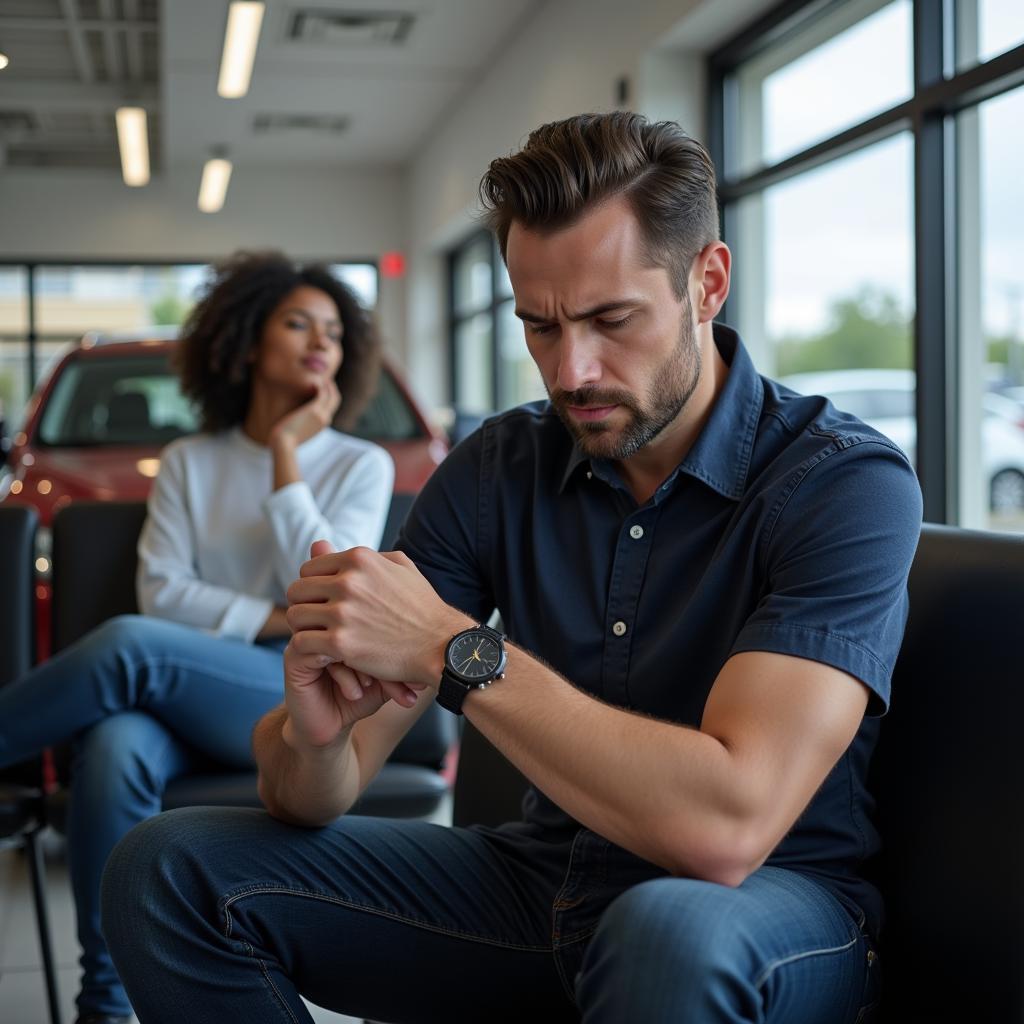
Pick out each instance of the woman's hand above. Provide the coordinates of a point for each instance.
(309, 418)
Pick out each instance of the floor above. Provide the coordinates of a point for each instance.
(22, 988)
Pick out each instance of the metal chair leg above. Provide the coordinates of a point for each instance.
(37, 871)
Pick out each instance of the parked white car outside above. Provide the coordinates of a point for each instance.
(884, 399)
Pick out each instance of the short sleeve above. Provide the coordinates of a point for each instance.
(837, 557)
(441, 533)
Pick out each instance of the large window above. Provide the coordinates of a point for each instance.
(867, 154)
(45, 306)
(491, 367)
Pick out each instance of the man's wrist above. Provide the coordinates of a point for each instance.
(306, 749)
(453, 623)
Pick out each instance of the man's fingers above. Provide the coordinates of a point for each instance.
(306, 616)
(347, 680)
(399, 558)
(399, 693)
(331, 562)
(320, 547)
(311, 590)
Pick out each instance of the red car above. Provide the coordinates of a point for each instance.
(94, 428)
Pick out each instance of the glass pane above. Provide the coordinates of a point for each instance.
(992, 306)
(519, 379)
(987, 28)
(75, 299)
(810, 88)
(13, 349)
(362, 278)
(833, 296)
(474, 361)
(13, 301)
(504, 281)
(472, 276)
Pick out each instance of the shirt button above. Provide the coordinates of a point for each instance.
(636, 532)
(619, 629)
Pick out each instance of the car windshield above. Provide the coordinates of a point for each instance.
(136, 400)
(113, 400)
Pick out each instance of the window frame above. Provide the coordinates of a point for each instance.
(940, 92)
(490, 309)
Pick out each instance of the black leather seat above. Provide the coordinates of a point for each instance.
(94, 563)
(949, 779)
(21, 796)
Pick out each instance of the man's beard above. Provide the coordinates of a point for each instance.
(671, 387)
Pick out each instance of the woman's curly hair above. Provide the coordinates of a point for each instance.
(221, 334)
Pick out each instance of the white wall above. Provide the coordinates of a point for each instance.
(317, 213)
(565, 60)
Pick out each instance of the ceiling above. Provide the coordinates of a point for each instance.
(342, 82)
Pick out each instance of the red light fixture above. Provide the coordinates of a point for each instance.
(392, 264)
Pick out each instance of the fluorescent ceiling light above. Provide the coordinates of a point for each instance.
(240, 39)
(214, 186)
(134, 145)
(4, 61)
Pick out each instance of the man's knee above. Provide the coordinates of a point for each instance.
(156, 869)
(672, 921)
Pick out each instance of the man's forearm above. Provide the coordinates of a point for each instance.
(668, 793)
(300, 784)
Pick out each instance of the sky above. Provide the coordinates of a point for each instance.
(850, 223)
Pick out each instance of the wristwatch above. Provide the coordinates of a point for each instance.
(473, 659)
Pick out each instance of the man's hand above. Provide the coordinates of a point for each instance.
(324, 697)
(374, 613)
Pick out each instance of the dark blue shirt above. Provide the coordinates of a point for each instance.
(788, 527)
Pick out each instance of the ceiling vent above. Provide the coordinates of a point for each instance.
(320, 124)
(319, 27)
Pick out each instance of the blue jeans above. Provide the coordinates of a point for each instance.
(144, 701)
(234, 914)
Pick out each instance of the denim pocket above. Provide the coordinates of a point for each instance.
(872, 985)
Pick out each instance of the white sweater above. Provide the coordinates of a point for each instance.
(220, 547)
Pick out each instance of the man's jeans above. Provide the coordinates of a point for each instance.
(145, 701)
(233, 914)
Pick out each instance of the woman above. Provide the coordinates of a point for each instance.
(267, 356)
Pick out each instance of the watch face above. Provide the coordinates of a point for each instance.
(474, 655)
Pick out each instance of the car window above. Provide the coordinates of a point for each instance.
(389, 416)
(137, 400)
(116, 400)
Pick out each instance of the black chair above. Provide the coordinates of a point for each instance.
(21, 796)
(949, 779)
(94, 562)
(948, 776)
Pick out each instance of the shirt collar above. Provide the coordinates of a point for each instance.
(720, 457)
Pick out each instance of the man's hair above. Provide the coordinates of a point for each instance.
(568, 167)
(220, 337)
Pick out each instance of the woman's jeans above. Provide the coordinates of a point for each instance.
(233, 914)
(145, 701)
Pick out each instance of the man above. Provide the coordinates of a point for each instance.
(703, 581)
